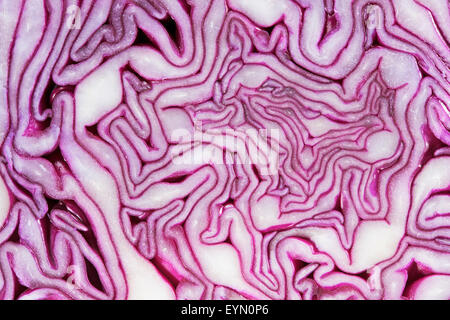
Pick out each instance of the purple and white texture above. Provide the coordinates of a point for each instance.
(224, 149)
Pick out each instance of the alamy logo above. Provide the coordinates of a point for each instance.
(259, 147)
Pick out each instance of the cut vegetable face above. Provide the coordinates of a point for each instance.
(224, 149)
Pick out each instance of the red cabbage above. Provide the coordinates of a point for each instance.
(225, 149)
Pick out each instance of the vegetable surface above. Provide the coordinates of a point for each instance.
(224, 149)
